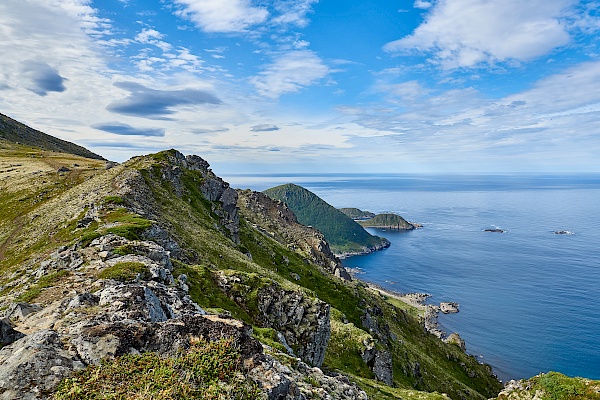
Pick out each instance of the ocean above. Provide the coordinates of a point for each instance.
(528, 297)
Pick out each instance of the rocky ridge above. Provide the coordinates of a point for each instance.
(158, 246)
(100, 319)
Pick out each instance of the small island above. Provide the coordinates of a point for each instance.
(368, 219)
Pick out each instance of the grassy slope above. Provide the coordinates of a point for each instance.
(554, 386)
(58, 212)
(32, 220)
(14, 131)
(356, 213)
(341, 232)
(439, 362)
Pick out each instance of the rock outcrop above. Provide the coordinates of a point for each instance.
(149, 311)
(302, 321)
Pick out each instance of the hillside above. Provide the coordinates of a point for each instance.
(16, 132)
(356, 213)
(387, 221)
(160, 257)
(342, 233)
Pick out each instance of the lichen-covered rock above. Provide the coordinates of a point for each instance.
(32, 367)
(455, 338)
(382, 367)
(302, 320)
(282, 382)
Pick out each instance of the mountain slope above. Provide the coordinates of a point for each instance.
(153, 254)
(341, 232)
(16, 132)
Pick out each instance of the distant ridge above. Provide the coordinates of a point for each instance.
(15, 131)
(345, 236)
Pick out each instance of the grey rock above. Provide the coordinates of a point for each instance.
(32, 366)
(83, 300)
(449, 307)
(304, 322)
(135, 302)
(382, 367)
(18, 311)
(7, 334)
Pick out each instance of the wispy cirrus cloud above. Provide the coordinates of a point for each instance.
(241, 16)
(290, 72)
(153, 103)
(470, 33)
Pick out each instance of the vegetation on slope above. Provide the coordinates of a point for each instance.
(356, 213)
(206, 251)
(552, 386)
(207, 371)
(14, 131)
(387, 221)
(342, 233)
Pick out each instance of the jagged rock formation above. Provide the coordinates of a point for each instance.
(105, 318)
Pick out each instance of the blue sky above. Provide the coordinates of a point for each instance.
(262, 86)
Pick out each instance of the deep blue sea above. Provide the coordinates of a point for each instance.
(529, 298)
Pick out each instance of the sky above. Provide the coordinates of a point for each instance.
(313, 86)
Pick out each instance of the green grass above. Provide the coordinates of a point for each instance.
(268, 336)
(130, 225)
(124, 271)
(557, 386)
(346, 345)
(207, 371)
(205, 292)
(43, 283)
(116, 200)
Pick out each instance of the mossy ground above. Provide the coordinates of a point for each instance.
(207, 371)
(124, 271)
(555, 386)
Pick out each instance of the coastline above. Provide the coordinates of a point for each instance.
(428, 313)
(366, 250)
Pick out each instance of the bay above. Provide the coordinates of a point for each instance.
(528, 297)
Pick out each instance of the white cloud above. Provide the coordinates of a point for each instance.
(151, 36)
(293, 12)
(468, 33)
(290, 73)
(553, 125)
(222, 15)
(423, 4)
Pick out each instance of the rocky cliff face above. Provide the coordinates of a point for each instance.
(275, 219)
